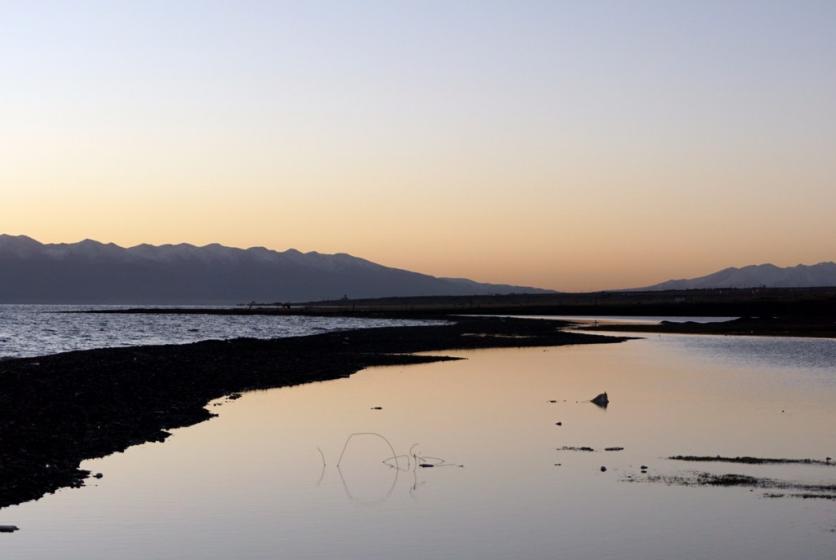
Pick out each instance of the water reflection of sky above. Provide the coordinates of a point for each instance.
(253, 484)
(751, 351)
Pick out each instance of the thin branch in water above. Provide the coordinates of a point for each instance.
(373, 434)
(321, 474)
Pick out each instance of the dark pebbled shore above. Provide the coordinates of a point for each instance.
(798, 489)
(795, 326)
(752, 460)
(58, 410)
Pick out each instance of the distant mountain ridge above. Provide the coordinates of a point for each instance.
(106, 273)
(762, 275)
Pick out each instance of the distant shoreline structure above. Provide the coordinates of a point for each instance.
(752, 302)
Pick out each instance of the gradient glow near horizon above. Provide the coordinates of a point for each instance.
(568, 145)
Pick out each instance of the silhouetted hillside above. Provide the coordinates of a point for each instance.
(763, 275)
(93, 272)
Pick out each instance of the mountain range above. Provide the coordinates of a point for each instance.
(105, 273)
(761, 275)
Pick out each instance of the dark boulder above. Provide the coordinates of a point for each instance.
(601, 400)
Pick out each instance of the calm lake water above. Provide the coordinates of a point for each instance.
(251, 483)
(36, 330)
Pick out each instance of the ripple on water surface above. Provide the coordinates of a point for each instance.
(36, 330)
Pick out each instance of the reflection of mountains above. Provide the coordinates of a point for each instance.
(411, 462)
(93, 272)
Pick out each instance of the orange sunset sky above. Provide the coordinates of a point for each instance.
(574, 146)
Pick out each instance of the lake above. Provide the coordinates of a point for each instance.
(37, 330)
(252, 483)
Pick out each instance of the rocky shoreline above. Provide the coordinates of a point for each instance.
(58, 410)
(794, 326)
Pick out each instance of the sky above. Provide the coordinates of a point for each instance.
(568, 145)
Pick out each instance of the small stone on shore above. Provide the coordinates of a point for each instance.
(601, 400)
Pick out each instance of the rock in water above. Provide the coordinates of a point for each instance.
(8, 528)
(601, 400)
